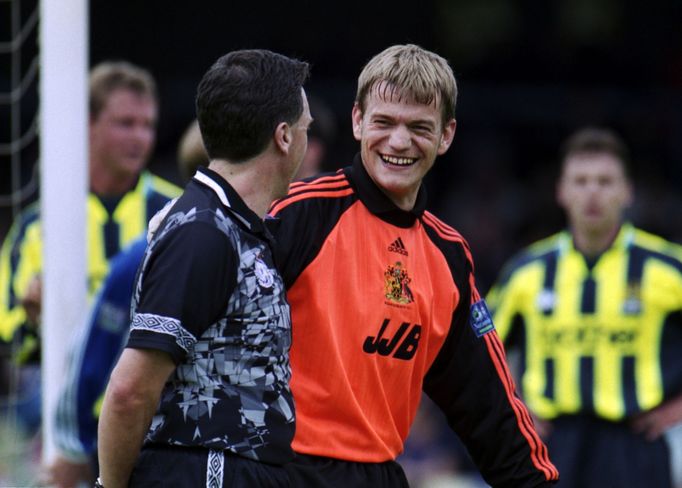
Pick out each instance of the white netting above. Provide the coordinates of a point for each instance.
(18, 101)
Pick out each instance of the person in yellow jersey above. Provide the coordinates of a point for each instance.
(97, 346)
(123, 196)
(596, 311)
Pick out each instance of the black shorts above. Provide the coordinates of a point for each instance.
(196, 467)
(594, 453)
(320, 472)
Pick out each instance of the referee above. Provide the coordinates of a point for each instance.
(596, 311)
(204, 379)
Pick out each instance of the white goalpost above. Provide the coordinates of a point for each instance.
(63, 165)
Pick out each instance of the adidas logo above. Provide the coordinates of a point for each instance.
(398, 246)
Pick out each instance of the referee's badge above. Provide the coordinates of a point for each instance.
(263, 274)
(480, 319)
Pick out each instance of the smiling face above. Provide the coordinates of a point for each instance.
(399, 141)
(594, 191)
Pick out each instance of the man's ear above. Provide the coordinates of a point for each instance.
(283, 137)
(356, 119)
(447, 136)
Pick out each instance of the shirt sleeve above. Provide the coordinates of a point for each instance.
(503, 304)
(470, 382)
(301, 223)
(20, 261)
(185, 288)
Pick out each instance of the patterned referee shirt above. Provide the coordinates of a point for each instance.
(208, 294)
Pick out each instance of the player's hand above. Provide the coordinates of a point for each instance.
(33, 301)
(69, 474)
(656, 421)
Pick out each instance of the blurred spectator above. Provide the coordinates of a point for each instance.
(98, 345)
(123, 196)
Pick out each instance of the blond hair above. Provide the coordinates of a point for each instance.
(410, 71)
(110, 76)
(191, 151)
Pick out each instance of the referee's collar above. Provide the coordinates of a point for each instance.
(230, 199)
(378, 202)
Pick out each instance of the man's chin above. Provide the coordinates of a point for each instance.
(131, 168)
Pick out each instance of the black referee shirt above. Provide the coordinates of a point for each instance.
(208, 294)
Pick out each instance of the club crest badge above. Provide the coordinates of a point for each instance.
(397, 284)
(263, 274)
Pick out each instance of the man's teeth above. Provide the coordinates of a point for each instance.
(398, 161)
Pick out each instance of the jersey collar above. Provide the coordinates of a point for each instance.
(623, 240)
(378, 203)
(230, 199)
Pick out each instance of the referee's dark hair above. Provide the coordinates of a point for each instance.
(596, 140)
(243, 97)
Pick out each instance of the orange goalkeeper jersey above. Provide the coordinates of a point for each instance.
(384, 305)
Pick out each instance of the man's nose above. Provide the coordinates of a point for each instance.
(400, 138)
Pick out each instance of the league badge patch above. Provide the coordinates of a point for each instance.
(480, 320)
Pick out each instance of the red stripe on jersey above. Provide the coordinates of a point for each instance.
(338, 181)
(443, 230)
(324, 182)
(308, 194)
(325, 185)
(524, 411)
(450, 234)
(321, 179)
(538, 450)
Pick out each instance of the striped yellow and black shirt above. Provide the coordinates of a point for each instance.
(601, 337)
(111, 224)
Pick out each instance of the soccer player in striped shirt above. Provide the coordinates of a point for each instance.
(596, 311)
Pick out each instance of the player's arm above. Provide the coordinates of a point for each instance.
(20, 265)
(301, 221)
(129, 405)
(192, 271)
(75, 423)
(504, 301)
(471, 383)
(91, 359)
(654, 423)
